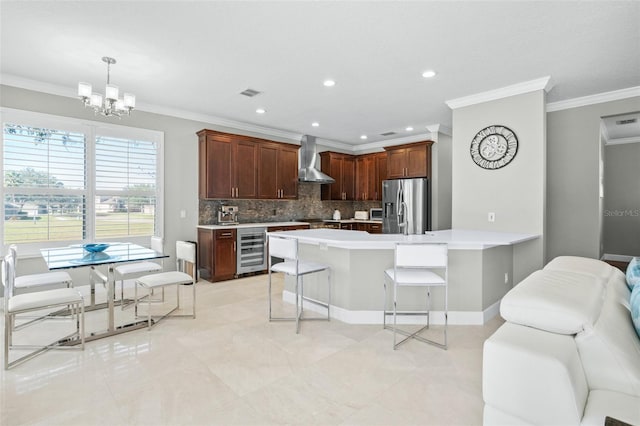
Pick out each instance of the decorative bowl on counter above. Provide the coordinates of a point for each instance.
(95, 247)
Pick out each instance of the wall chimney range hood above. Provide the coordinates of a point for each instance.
(308, 155)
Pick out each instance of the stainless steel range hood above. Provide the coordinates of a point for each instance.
(308, 154)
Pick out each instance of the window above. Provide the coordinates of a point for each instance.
(66, 181)
(125, 201)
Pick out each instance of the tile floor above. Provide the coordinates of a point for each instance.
(230, 366)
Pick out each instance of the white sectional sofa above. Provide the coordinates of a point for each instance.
(568, 353)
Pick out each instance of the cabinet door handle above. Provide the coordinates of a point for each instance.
(234, 246)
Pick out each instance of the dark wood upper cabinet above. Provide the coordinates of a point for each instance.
(236, 166)
(278, 171)
(371, 170)
(340, 167)
(409, 161)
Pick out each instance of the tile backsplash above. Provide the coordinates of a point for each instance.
(307, 206)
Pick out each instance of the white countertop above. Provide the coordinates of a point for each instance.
(457, 239)
(351, 221)
(252, 225)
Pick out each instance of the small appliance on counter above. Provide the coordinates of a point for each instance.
(228, 215)
(336, 215)
(375, 214)
(361, 215)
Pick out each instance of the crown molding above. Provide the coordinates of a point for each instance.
(52, 89)
(543, 83)
(621, 141)
(598, 98)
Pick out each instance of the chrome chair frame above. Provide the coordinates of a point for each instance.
(287, 249)
(36, 282)
(417, 258)
(29, 302)
(185, 254)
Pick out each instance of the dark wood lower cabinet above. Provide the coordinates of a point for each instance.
(217, 255)
(372, 228)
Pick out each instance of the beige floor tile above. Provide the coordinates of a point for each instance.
(231, 366)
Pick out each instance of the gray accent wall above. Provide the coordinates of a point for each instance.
(516, 192)
(621, 233)
(441, 181)
(573, 175)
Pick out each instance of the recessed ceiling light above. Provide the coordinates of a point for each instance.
(261, 110)
(329, 83)
(315, 124)
(363, 137)
(429, 74)
(408, 129)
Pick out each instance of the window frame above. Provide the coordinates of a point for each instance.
(91, 130)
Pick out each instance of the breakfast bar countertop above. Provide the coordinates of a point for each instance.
(457, 239)
(252, 225)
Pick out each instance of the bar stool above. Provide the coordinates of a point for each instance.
(414, 266)
(287, 249)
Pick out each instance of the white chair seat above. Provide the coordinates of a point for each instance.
(416, 277)
(59, 296)
(37, 280)
(165, 278)
(186, 255)
(289, 267)
(135, 268)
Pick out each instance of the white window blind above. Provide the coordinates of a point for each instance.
(126, 174)
(44, 184)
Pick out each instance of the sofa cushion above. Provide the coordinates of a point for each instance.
(557, 301)
(633, 273)
(634, 302)
(533, 375)
(582, 265)
(602, 404)
(610, 350)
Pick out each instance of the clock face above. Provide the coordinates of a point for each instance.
(494, 147)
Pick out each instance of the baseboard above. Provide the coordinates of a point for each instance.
(375, 316)
(617, 257)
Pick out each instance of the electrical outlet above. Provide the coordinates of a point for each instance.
(183, 214)
(491, 217)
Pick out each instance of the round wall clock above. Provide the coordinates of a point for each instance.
(494, 147)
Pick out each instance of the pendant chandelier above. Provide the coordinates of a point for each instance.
(112, 105)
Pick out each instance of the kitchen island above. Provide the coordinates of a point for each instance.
(481, 266)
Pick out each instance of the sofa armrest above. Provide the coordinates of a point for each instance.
(534, 375)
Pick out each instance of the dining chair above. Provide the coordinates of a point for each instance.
(36, 282)
(287, 249)
(37, 301)
(185, 255)
(135, 269)
(417, 265)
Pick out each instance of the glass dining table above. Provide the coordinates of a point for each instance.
(76, 256)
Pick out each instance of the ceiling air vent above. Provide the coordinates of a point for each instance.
(250, 93)
(628, 121)
(387, 133)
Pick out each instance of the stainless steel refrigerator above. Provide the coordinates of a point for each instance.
(406, 206)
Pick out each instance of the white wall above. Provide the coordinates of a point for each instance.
(573, 156)
(515, 193)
